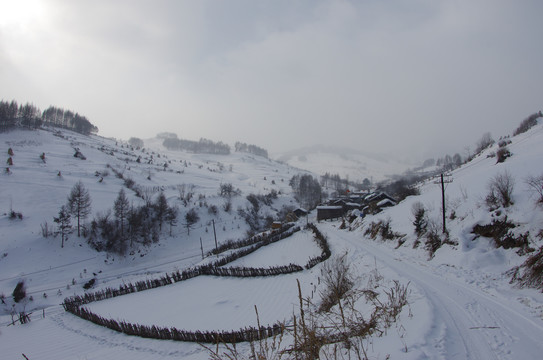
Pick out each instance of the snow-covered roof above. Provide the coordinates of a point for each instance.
(385, 202)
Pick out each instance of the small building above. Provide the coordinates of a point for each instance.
(277, 225)
(376, 202)
(299, 212)
(352, 206)
(329, 212)
(377, 197)
(386, 203)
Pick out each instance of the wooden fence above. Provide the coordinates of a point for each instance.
(74, 304)
(165, 333)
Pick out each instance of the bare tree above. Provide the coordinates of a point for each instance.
(307, 190)
(228, 191)
(147, 193)
(484, 142)
(79, 203)
(186, 192)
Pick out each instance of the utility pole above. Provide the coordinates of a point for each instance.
(202, 248)
(444, 181)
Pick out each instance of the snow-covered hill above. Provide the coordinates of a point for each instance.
(477, 311)
(348, 163)
(461, 302)
(37, 189)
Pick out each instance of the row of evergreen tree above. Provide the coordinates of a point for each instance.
(203, 146)
(131, 224)
(29, 116)
(251, 149)
(128, 225)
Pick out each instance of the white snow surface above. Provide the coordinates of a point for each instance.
(461, 304)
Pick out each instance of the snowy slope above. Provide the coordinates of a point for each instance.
(35, 189)
(461, 304)
(476, 312)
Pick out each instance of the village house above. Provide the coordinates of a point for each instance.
(366, 203)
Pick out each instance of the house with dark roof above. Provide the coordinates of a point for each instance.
(299, 212)
(327, 212)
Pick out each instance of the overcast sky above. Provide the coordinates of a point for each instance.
(420, 77)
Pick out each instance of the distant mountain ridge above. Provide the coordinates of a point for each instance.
(348, 163)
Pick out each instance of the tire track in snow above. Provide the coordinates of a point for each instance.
(468, 323)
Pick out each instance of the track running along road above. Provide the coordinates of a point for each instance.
(467, 323)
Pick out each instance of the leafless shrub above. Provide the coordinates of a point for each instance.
(500, 231)
(527, 123)
(500, 191)
(264, 349)
(381, 228)
(396, 300)
(484, 142)
(536, 186)
(433, 239)
(502, 154)
(530, 273)
(46, 230)
(186, 192)
(338, 281)
(147, 193)
(344, 336)
(347, 329)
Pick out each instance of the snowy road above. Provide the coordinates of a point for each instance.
(467, 322)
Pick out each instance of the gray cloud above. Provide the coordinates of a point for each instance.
(416, 77)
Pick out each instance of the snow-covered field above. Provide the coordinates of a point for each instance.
(461, 304)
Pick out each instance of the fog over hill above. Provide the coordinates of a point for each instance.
(348, 163)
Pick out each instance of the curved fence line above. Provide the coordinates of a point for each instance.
(74, 303)
(165, 333)
(264, 239)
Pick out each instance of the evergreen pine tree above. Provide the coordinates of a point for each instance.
(171, 217)
(191, 218)
(121, 208)
(161, 209)
(64, 223)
